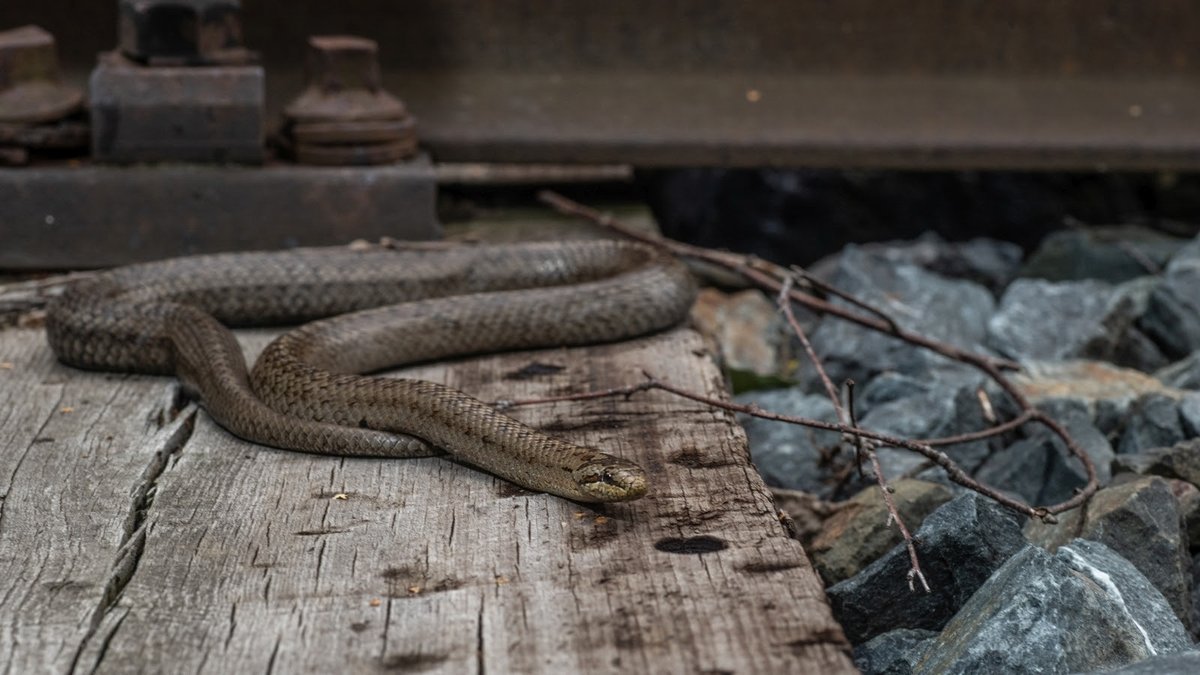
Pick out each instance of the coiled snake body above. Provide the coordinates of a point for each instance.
(386, 308)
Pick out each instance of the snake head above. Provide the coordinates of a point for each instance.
(610, 479)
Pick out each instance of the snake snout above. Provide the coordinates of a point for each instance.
(613, 480)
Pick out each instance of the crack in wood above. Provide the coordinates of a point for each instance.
(133, 540)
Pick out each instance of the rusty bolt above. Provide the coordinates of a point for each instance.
(340, 62)
(344, 83)
(30, 88)
(183, 32)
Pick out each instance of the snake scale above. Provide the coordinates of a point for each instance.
(368, 310)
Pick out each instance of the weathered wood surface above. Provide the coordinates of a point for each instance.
(135, 537)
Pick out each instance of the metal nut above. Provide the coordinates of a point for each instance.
(31, 91)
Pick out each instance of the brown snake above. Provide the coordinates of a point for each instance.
(386, 308)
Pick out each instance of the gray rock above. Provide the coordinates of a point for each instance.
(860, 531)
(1139, 520)
(948, 409)
(1107, 253)
(930, 415)
(952, 311)
(1080, 424)
(1048, 320)
(1188, 254)
(1106, 390)
(1181, 461)
(1082, 609)
(1189, 414)
(1120, 340)
(1187, 500)
(959, 546)
(1180, 663)
(893, 653)
(787, 455)
(892, 386)
(1183, 374)
(1172, 317)
(1022, 469)
(1038, 468)
(749, 331)
(1195, 611)
(988, 262)
(1153, 421)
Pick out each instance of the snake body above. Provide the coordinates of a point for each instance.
(369, 310)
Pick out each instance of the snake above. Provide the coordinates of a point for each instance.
(356, 311)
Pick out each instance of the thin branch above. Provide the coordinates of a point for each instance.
(953, 471)
(786, 306)
(830, 289)
(773, 278)
(990, 432)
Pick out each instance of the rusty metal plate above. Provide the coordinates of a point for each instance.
(926, 83)
(194, 114)
(355, 155)
(63, 217)
(361, 131)
(649, 119)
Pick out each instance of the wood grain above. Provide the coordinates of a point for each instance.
(141, 537)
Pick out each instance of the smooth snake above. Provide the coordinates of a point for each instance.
(369, 310)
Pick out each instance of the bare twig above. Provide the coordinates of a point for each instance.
(868, 449)
(939, 458)
(785, 306)
(830, 289)
(772, 278)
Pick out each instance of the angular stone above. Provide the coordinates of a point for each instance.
(1195, 611)
(1181, 461)
(1048, 320)
(1152, 422)
(1081, 610)
(1021, 469)
(1039, 468)
(1140, 521)
(959, 546)
(891, 386)
(1104, 389)
(989, 262)
(1183, 374)
(933, 414)
(1189, 414)
(1187, 500)
(1107, 253)
(1180, 663)
(747, 328)
(1121, 341)
(1172, 317)
(949, 310)
(860, 531)
(894, 652)
(790, 456)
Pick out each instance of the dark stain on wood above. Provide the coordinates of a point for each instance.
(686, 545)
(694, 458)
(600, 424)
(412, 662)
(507, 490)
(534, 370)
(766, 567)
(321, 532)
